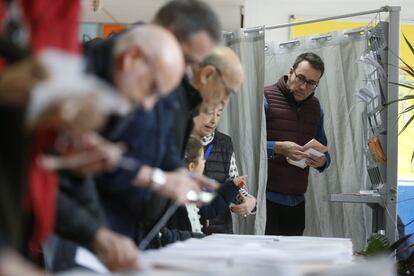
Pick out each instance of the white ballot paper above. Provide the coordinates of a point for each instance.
(241, 255)
(87, 259)
(313, 147)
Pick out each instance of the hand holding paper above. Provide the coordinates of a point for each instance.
(289, 149)
(314, 155)
(316, 161)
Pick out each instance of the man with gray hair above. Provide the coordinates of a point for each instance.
(145, 134)
(218, 77)
(144, 64)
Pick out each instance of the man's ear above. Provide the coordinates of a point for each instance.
(206, 73)
(290, 71)
(191, 166)
(127, 59)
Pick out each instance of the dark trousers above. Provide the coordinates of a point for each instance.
(285, 220)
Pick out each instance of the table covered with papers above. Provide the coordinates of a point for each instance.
(263, 255)
(251, 255)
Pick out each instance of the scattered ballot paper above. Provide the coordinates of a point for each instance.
(313, 147)
(87, 259)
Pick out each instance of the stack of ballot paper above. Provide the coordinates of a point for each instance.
(241, 255)
(313, 147)
(229, 253)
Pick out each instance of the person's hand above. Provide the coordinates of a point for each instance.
(177, 183)
(117, 252)
(204, 183)
(177, 186)
(17, 81)
(12, 264)
(75, 114)
(245, 207)
(289, 149)
(93, 154)
(240, 181)
(315, 161)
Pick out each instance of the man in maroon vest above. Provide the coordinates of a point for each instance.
(293, 117)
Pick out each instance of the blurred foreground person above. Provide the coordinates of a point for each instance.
(143, 64)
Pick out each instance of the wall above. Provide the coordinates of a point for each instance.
(271, 12)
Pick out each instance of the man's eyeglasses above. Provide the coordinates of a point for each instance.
(301, 79)
(229, 91)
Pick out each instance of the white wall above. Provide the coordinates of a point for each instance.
(257, 12)
(129, 11)
(274, 12)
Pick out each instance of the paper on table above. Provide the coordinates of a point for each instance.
(87, 259)
(228, 252)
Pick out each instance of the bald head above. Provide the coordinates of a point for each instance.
(149, 63)
(219, 76)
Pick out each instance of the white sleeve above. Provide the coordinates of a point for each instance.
(233, 171)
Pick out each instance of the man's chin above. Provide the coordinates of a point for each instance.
(299, 99)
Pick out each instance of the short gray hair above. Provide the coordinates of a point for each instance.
(216, 60)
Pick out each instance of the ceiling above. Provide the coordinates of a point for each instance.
(128, 11)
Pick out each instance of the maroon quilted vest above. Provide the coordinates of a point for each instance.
(289, 120)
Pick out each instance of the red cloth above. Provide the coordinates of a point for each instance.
(51, 24)
(42, 191)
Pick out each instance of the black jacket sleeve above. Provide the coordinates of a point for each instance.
(172, 235)
(226, 194)
(79, 214)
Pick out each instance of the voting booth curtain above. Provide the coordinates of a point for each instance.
(244, 121)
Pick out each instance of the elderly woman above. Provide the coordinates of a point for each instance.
(221, 166)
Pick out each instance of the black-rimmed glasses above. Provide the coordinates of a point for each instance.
(301, 79)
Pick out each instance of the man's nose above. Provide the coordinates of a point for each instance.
(303, 86)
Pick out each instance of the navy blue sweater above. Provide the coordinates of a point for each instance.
(148, 138)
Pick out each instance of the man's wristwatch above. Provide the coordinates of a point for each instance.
(158, 179)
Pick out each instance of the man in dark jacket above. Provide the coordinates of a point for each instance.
(293, 118)
(120, 62)
(217, 77)
(198, 30)
(149, 146)
(147, 136)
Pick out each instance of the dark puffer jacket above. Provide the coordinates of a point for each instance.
(218, 167)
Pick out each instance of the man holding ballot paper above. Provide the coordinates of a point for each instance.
(296, 140)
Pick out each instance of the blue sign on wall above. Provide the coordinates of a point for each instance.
(405, 207)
